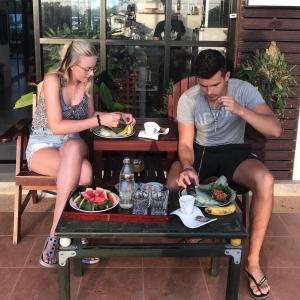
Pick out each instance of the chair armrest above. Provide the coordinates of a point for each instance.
(18, 129)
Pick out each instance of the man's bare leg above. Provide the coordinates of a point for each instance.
(253, 174)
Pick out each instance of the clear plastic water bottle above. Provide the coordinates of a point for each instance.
(126, 184)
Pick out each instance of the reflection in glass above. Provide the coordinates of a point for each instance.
(182, 61)
(133, 19)
(70, 18)
(203, 19)
(134, 79)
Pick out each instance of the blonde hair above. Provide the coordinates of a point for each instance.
(71, 54)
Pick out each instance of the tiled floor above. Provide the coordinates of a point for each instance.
(142, 278)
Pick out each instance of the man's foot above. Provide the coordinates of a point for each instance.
(258, 285)
(48, 257)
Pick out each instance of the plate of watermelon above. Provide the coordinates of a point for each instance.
(94, 200)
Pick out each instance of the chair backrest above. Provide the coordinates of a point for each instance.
(178, 89)
(35, 96)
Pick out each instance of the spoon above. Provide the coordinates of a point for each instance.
(202, 218)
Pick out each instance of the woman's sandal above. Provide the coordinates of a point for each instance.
(89, 260)
(52, 253)
(258, 285)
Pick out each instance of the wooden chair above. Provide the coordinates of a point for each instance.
(242, 200)
(25, 179)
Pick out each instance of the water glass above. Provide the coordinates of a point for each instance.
(141, 202)
(159, 202)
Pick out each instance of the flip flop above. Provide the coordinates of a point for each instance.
(50, 253)
(258, 285)
(90, 260)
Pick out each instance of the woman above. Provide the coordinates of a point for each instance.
(65, 107)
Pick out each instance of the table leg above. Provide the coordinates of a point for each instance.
(234, 269)
(64, 273)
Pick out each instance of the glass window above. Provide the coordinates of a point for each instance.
(181, 61)
(205, 20)
(71, 19)
(133, 19)
(134, 78)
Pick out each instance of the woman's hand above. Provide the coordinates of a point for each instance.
(186, 177)
(128, 118)
(108, 119)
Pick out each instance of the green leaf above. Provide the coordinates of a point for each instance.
(107, 99)
(24, 101)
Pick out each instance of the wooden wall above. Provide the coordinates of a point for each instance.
(257, 27)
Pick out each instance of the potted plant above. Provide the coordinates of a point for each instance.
(270, 73)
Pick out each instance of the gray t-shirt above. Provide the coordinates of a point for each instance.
(217, 126)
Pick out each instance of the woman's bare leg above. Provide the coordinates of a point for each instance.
(71, 168)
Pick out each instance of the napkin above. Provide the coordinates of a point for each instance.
(142, 134)
(189, 220)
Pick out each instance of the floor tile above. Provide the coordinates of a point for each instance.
(109, 284)
(9, 277)
(174, 284)
(33, 223)
(285, 283)
(14, 255)
(37, 284)
(171, 262)
(276, 226)
(280, 252)
(6, 223)
(292, 223)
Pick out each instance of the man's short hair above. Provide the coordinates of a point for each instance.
(209, 62)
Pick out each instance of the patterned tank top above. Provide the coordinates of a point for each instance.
(69, 112)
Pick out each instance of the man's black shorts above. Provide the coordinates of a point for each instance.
(222, 160)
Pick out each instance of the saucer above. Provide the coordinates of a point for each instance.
(189, 220)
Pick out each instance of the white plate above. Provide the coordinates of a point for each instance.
(74, 205)
(97, 131)
(189, 220)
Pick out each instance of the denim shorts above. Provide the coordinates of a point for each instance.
(41, 138)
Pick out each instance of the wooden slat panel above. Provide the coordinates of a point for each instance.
(282, 175)
(289, 124)
(279, 155)
(269, 35)
(280, 145)
(286, 47)
(279, 165)
(271, 12)
(289, 134)
(272, 23)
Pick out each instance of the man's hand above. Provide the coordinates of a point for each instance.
(230, 104)
(186, 177)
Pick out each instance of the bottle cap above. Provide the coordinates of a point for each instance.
(126, 160)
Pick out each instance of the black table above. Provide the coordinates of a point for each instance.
(220, 231)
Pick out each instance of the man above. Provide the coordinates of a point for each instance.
(211, 124)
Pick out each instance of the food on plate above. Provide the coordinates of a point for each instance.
(122, 129)
(221, 211)
(94, 200)
(219, 194)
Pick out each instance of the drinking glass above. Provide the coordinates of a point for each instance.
(159, 202)
(141, 202)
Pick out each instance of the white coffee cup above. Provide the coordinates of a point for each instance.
(151, 128)
(187, 204)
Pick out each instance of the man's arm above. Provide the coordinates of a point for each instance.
(186, 155)
(260, 117)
